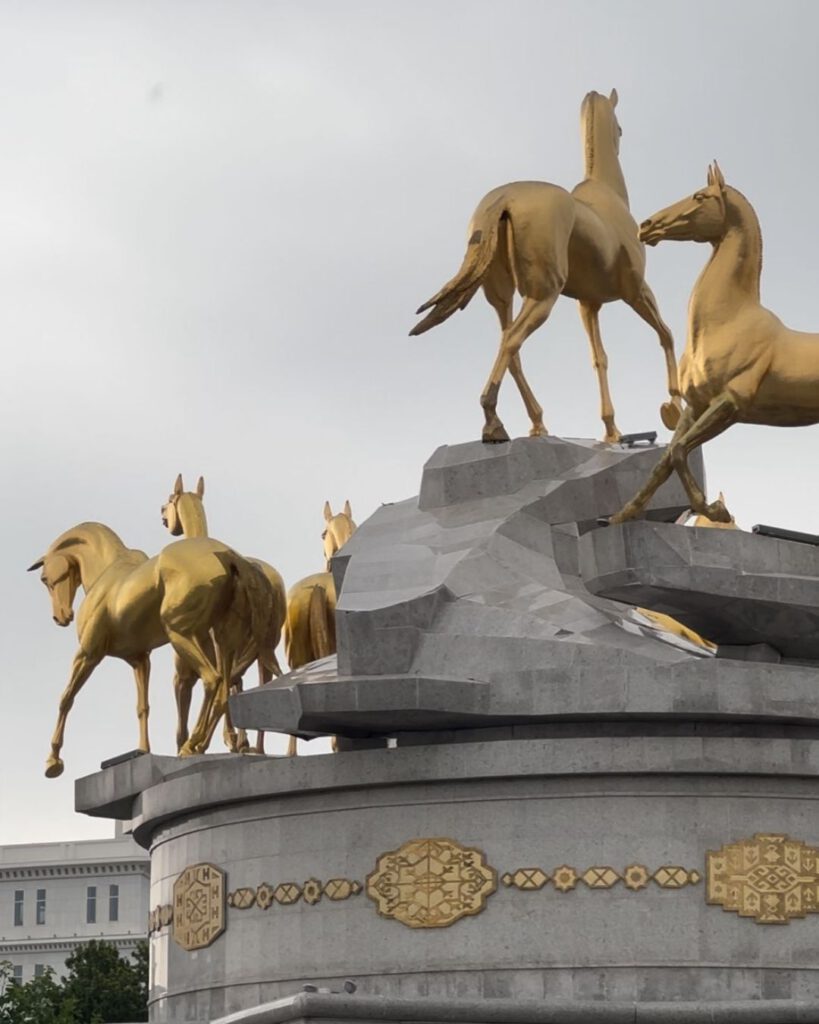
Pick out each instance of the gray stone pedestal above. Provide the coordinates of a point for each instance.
(578, 816)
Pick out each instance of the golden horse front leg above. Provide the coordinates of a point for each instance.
(81, 668)
(661, 472)
(645, 306)
(719, 415)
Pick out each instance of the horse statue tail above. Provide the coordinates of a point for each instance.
(322, 633)
(480, 251)
(257, 596)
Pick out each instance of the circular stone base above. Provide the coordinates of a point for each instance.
(647, 868)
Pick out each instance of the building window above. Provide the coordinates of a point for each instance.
(41, 905)
(17, 974)
(18, 906)
(113, 903)
(91, 905)
(39, 970)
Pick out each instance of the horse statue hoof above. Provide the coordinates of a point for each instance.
(718, 513)
(670, 415)
(496, 434)
(539, 431)
(54, 767)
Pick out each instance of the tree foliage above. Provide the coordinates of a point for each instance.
(100, 988)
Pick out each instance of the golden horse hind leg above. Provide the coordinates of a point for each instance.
(533, 313)
(184, 681)
(192, 652)
(499, 289)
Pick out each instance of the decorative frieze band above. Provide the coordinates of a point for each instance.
(435, 882)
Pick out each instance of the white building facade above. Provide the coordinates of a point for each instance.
(56, 896)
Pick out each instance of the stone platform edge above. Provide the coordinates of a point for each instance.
(336, 1006)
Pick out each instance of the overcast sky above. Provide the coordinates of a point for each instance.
(216, 222)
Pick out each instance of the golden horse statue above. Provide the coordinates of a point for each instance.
(197, 594)
(542, 241)
(310, 626)
(741, 364)
(184, 515)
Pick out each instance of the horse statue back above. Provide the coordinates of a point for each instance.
(199, 595)
(542, 241)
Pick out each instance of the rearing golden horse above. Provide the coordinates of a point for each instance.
(741, 364)
(197, 594)
(542, 241)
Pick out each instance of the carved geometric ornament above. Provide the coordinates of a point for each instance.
(771, 878)
(431, 883)
(634, 877)
(198, 906)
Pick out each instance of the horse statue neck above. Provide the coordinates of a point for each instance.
(731, 277)
(92, 547)
(192, 516)
(601, 162)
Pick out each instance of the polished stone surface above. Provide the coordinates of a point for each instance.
(495, 598)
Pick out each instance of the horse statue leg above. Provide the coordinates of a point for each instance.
(81, 668)
(184, 681)
(589, 316)
(533, 313)
(720, 414)
(692, 431)
(191, 652)
(645, 306)
(142, 675)
(499, 289)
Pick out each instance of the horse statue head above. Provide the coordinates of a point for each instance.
(338, 531)
(61, 578)
(700, 217)
(599, 123)
(184, 510)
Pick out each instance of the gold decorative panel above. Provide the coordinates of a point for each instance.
(633, 877)
(198, 906)
(431, 883)
(287, 893)
(771, 878)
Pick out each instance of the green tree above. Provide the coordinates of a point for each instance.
(40, 1001)
(104, 988)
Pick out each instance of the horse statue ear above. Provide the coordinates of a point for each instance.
(710, 176)
(200, 487)
(178, 486)
(718, 178)
(347, 510)
(328, 512)
(613, 97)
(37, 565)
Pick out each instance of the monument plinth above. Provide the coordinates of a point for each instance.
(578, 806)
